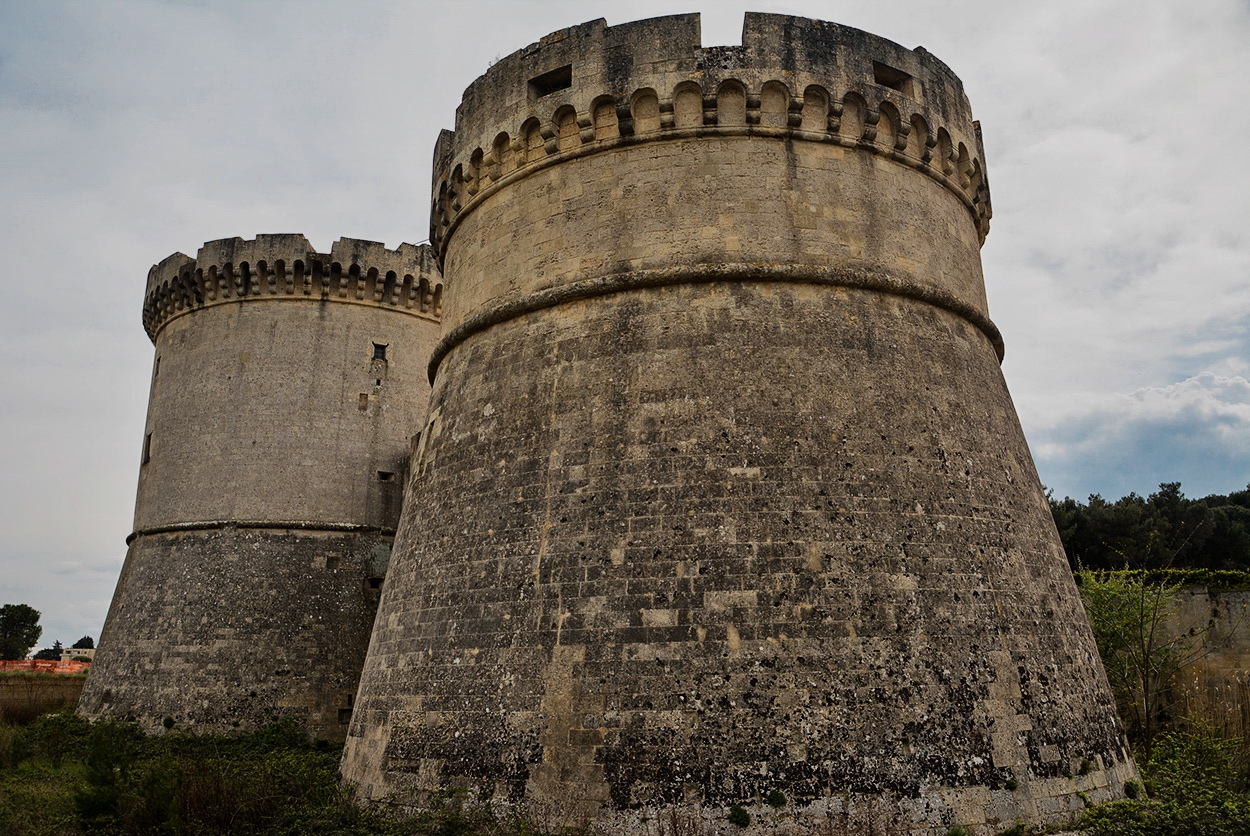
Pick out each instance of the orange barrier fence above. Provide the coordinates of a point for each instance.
(43, 666)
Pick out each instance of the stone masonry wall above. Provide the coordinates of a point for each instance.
(721, 490)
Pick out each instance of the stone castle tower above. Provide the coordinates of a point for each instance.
(285, 388)
(721, 492)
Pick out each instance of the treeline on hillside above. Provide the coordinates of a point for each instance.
(1163, 530)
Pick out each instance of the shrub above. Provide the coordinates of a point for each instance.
(50, 739)
(738, 816)
(1195, 789)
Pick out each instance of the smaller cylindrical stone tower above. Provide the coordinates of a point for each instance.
(285, 389)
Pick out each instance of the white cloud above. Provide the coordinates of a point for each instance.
(1196, 431)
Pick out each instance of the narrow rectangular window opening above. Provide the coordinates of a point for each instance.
(156, 367)
(561, 78)
(385, 475)
(147, 448)
(379, 351)
(895, 79)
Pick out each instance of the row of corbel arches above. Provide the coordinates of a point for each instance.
(195, 287)
(855, 119)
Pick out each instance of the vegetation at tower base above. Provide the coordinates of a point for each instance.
(720, 491)
(285, 388)
(60, 776)
(1195, 786)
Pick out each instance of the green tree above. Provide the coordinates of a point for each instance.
(52, 653)
(85, 643)
(1164, 529)
(1131, 620)
(19, 630)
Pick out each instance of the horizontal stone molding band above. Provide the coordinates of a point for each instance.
(290, 525)
(692, 274)
(954, 172)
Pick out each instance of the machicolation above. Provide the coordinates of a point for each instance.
(683, 449)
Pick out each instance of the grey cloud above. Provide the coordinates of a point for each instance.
(1196, 432)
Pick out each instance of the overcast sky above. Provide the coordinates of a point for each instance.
(1117, 262)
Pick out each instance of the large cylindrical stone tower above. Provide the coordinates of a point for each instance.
(285, 390)
(721, 493)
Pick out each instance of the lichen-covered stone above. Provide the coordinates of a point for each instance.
(721, 491)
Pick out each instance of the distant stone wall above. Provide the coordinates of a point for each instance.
(1223, 619)
(1216, 683)
(24, 696)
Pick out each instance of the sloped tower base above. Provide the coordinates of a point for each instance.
(769, 537)
(234, 628)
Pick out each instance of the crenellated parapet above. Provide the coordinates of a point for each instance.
(287, 267)
(593, 88)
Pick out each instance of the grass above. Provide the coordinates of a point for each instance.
(61, 776)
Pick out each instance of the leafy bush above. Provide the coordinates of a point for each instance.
(1195, 790)
(50, 740)
(66, 777)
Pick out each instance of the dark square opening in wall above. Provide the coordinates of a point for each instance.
(374, 583)
(379, 351)
(561, 78)
(385, 475)
(895, 79)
